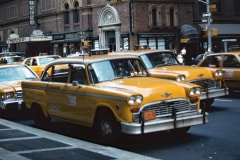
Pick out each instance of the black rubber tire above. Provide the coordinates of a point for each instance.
(207, 103)
(40, 120)
(180, 131)
(106, 126)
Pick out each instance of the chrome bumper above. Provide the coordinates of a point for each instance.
(163, 125)
(212, 93)
(11, 104)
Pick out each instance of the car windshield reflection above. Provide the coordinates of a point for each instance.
(157, 59)
(15, 73)
(115, 69)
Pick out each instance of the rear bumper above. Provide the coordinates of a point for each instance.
(212, 93)
(163, 124)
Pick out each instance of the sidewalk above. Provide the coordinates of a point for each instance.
(19, 142)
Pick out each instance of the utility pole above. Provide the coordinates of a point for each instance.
(209, 20)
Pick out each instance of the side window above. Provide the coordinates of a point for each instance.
(57, 73)
(34, 62)
(28, 61)
(211, 61)
(230, 61)
(78, 74)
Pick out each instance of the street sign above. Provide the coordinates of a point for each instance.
(206, 14)
(31, 12)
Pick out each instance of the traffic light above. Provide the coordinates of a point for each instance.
(213, 7)
(86, 43)
(214, 32)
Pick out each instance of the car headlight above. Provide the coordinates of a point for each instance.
(218, 73)
(7, 95)
(135, 99)
(181, 78)
(2, 96)
(195, 91)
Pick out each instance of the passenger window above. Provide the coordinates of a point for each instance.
(34, 63)
(230, 61)
(78, 74)
(211, 61)
(57, 73)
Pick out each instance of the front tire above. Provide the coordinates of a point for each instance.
(107, 127)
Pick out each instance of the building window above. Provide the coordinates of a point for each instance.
(66, 14)
(125, 43)
(48, 4)
(12, 12)
(237, 7)
(76, 13)
(152, 43)
(171, 16)
(161, 43)
(154, 17)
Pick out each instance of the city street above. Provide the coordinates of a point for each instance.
(219, 139)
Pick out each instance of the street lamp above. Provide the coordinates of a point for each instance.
(208, 15)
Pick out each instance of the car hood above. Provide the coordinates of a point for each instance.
(190, 72)
(10, 86)
(150, 88)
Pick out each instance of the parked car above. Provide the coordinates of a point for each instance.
(163, 64)
(229, 63)
(11, 59)
(112, 94)
(38, 63)
(10, 85)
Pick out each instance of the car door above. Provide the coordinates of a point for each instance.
(74, 93)
(231, 70)
(54, 92)
(65, 92)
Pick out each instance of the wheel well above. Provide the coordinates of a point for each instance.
(102, 111)
(36, 105)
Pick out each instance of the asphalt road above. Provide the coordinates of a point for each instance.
(216, 140)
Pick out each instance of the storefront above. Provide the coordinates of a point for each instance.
(37, 43)
(226, 38)
(71, 42)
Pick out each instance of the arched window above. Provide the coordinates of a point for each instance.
(66, 14)
(154, 17)
(76, 13)
(171, 17)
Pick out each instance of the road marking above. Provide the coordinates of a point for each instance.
(225, 100)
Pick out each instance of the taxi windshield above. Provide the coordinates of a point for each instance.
(157, 59)
(114, 69)
(14, 73)
(46, 60)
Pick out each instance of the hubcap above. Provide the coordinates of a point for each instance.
(106, 128)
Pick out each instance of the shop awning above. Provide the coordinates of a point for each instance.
(224, 28)
(188, 31)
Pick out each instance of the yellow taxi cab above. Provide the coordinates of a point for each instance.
(163, 64)
(37, 63)
(113, 95)
(229, 63)
(11, 76)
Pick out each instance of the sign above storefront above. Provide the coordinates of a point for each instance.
(31, 12)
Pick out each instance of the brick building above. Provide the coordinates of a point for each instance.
(65, 26)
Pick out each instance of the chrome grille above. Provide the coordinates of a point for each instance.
(19, 94)
(165, 108)
(209, 83)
